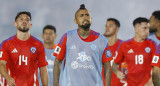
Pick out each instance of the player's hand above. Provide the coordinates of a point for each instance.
(120, 75)
(10, 81)
(55, 84)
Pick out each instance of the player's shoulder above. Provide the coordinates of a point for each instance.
(120, 41)
(8, 40)
(151, 41)
(127, 41)
(36, 40)
(71, 32)
(95, 33)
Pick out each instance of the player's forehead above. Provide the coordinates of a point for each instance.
(110, 22)
(144, 23)
(48, 30)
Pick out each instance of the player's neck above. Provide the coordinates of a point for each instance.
(112, 39)
(158, 32)
(48, 45)
(83, 33)
(23, 35)
(138, 39)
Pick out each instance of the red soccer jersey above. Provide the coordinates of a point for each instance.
(114, 80)
(62, 46)
(138, 56)
(23, 59)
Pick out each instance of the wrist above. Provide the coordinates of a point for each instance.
(8, 77)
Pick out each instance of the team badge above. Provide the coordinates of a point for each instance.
(93, 47)
(33, 49)
(108, 53)
(148, 49)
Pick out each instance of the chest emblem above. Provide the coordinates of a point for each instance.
(108, 53)
(33, 49)
(93, 47)
(147, 49)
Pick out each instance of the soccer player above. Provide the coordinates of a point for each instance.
(84, 51)
(22, 54)
(111, 30)
(137, 53)
(49, 35)
(155, 35)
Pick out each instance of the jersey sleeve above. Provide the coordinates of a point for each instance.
(60, 50)
(41, 56)
(119, 57)
(107, 55)
(155, 54)
(4, 55)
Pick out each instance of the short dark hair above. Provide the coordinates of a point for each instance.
(23, 12)
(156, 14)
(82, 7)
(51, 27)
(115, 21)
(140, 20)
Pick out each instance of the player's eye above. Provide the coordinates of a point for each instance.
(87, 14)
(21, 19)
(81, 15)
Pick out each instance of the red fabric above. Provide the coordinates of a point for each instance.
(23, 59)
(139, 71)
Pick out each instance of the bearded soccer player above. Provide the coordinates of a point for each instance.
(137, 53)
(84, 51)
(155, 35)
(111, 30)
(22, 54)
(49, 35)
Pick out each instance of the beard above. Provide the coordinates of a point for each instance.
(85, 26)
(23, 29)
(152, 30)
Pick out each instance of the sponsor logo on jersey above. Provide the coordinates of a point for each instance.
(57, 50)
(131, 51)
(14, 50)
(147, 49)
(108, 53)
(75, 65)
(93, 47)
(83, 57)
(33, 49)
